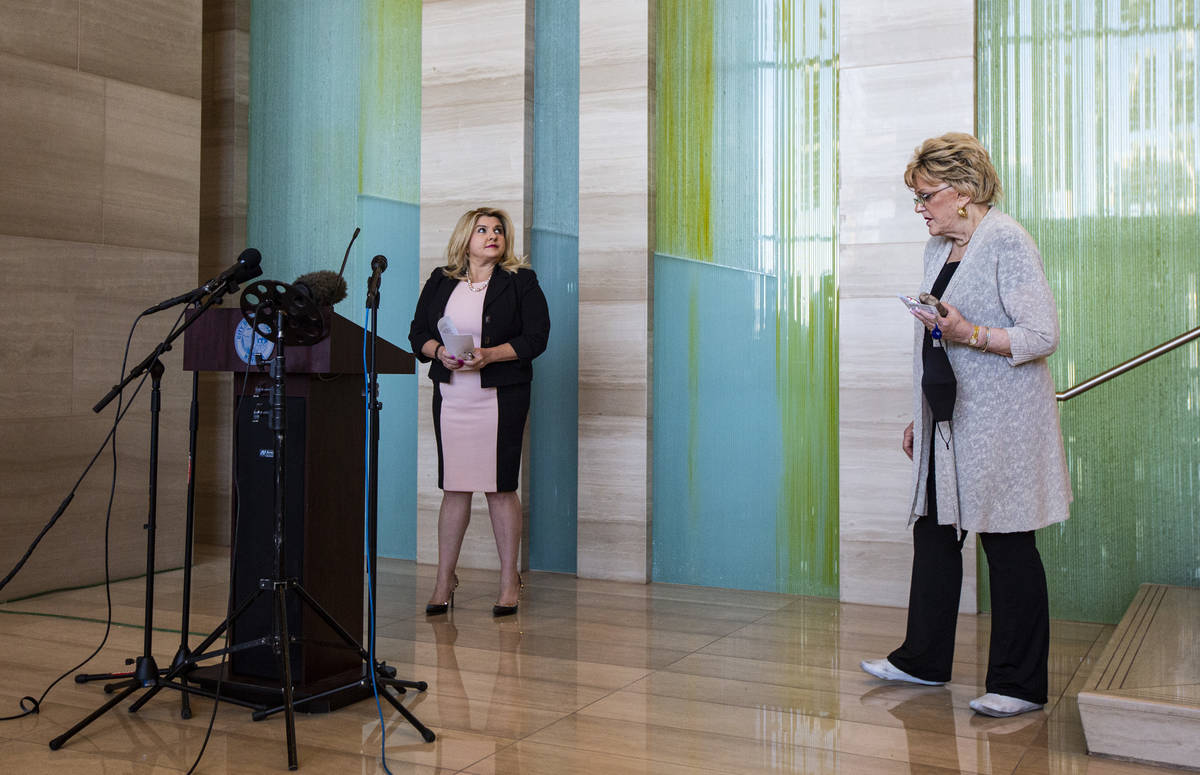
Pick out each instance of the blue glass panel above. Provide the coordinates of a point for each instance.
(718, 446)
(392, 229)
(554, 252)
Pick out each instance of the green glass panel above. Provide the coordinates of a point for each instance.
(389, 138)
(1090, 112)
(745, 224)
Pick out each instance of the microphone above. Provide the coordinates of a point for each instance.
(352, 238)
(378, 265)
(245, 268)
(325, 288)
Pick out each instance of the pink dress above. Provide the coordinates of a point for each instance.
(469, 413)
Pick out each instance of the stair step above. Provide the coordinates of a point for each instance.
(1142, 700)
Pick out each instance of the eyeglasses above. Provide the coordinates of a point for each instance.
(920, 200)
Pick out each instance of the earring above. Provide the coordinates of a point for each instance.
(962, 212)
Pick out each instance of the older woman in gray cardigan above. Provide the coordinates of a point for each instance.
(985, 441)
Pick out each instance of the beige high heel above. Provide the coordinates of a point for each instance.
(508, 610)
(433, 609)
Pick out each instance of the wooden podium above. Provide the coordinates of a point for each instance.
(325, 455)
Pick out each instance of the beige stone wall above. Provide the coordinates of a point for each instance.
(225, 141)
(99, 219)
(907, 73)
(476, 83)
(615, 258)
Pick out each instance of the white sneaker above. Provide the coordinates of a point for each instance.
(882, 668)
(1002, 706)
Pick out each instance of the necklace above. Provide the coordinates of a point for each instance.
(479, 287)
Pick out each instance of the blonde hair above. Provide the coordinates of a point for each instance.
(457, 265)
(959, 160)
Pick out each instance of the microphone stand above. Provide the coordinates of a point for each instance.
(373, 407)
(184, 652)
(146, 672)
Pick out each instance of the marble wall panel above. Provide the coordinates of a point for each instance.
(224, 147)
(613, 482)
(619, 277)
(615, 160)
(37, 357)
(67, 323)
(880, 270)
(907, 74)
(53, 151)
(119, 283)
(482, 161)
(93, 154)
(151, 168)
(43, 30)
(225, 128)
(886, 110)
(475, 131)
(879, 33)
(42, 458)
(151, 43)
(610, 546)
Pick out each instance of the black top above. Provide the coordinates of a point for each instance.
(514, 311)
(937, 377)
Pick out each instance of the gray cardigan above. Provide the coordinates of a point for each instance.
(1004, 469)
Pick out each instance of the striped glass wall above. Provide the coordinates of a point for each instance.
(335, 97)
(745, 295)
(554, 252)
(1090, 111)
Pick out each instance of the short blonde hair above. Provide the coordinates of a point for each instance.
(959, 160)
(457, 264)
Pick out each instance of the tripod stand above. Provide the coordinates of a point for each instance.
(146, 672)
(297, 321)
(132, 678)
(246, 268)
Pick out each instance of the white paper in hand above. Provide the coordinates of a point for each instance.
(459, 345)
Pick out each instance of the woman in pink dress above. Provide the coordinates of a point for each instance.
(481, 394)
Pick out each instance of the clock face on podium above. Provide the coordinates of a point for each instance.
(247, 344)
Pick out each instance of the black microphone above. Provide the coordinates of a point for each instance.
(342, 271)
(246, 267)
(378, 265)
(324, 287)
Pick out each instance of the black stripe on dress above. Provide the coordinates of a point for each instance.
(512, 403)
(437, 428)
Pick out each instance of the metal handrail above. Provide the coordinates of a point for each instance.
(1132, 363)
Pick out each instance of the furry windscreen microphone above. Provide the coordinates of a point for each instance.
(326, 288)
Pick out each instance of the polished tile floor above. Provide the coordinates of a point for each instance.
(589, 677)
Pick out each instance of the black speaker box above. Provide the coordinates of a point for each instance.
(322, 527)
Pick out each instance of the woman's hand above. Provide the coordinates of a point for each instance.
(449, 360)
(954, 326)
(907, 443)
(480, 357)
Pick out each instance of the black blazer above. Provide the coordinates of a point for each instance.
(514, 311)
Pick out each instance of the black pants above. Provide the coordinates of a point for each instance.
(1020, 642)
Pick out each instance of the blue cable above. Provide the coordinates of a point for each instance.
(366, 543)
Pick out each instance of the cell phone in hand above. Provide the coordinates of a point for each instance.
(913, 304)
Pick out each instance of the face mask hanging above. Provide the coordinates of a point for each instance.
(938, 383)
